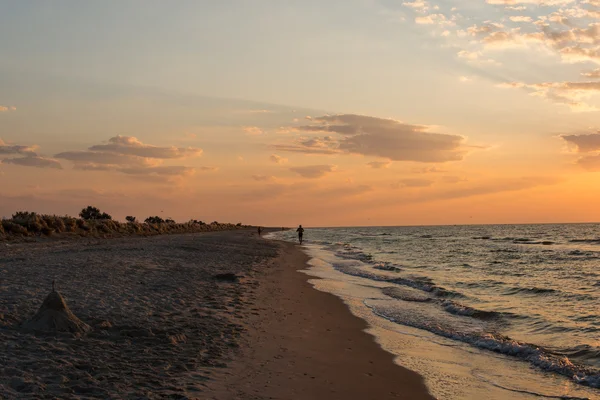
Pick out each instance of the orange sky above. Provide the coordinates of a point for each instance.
(366, 113)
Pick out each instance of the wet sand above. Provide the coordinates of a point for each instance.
(305, 344)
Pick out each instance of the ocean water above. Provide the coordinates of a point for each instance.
(487, 311)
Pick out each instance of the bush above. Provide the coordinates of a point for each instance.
(131, 219)
(11, 227)
(154, 220)
(170, 221)
(23, 216)
(81, 224)
(93, 213)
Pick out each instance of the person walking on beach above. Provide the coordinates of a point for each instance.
(300, 231)
(259, 231)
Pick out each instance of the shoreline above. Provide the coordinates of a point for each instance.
(302, 343)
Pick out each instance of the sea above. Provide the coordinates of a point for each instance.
(481, 311)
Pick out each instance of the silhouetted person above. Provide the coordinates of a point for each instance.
(300, 231)
(259, 231)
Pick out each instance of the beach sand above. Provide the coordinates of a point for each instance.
(162, 326)
(305, 344)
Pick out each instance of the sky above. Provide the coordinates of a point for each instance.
(336, 113)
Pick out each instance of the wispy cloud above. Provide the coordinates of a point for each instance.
(129, 145)
(413, 183)
(313, 171)
(33, 161)
(278, 159)
(253, 130)
(379, 164)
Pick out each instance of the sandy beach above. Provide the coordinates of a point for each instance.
(163, 324)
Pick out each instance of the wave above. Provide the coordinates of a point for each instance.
(524, 290)
(425, 285)
(387, 267)
(595, 241)
(537, 356)
(459, 309)
(406, 295)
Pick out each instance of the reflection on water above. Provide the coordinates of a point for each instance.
(520, 292)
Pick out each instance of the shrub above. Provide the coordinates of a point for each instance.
(47, 231)
(11, 227)
(154, 220)
(170, 221)
(81, 224)
(23, 216)
(93, 213)
(238, 224)
(131, 219)
(70, 223)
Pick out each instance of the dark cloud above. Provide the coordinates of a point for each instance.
(6, 149)
(33, 161)
(371, 136)
(128, 145)
(585, 143)
(129, 156)
(313, 171)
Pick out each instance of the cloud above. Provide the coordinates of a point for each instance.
(508, 185)
(520, 18)
(128, 155)
(90, 159)
(346, 191)
(278, 159)
(253, 130)
(129, 145)
(590, 163)
(595, 74)
(585, 143)
(6, 149)
(7, 108)
(371, 136)
(172, 171)
(33, 161)
(209, 169)
(313, 171)
(379, 164)
(412, 183)
(572, 94)
(453, 179)
(263, 178)
(427, 170)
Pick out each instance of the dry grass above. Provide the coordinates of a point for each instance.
(30, 224)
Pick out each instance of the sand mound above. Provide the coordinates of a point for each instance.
(54, 316)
